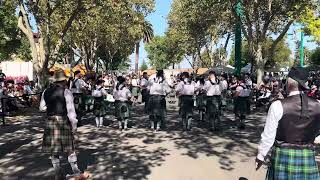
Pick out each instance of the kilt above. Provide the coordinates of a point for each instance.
(213, 105)
(241, 105)
(157, 105)
(201, 101)
(79, 102)
(57, 137)
(186, 106)
(99, 107)
(287, 164)
(122, 110)
(135, 91)
(145, 95)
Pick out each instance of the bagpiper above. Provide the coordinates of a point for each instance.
(122, 96)
(291, 127)
(78, 87)
(159, 89)
(144, 90)
(213, 89)
(99, 106)
(60, 126)
(185, 90)
(242, 95)
(201, 98)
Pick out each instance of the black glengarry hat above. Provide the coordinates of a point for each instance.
(300, 75)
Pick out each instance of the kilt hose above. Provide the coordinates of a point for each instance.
(293, 164)
(186, 106)
(122, 110)
(57, 137)
(213, 110)
(99, 107)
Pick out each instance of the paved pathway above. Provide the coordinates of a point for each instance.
(138, 153)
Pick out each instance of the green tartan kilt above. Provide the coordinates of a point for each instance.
(157, 105)
(135, 91)
(201, 101)
(186, 105)
(78, 102)
(213, 105)
(57, 137)
(122, 110)
(99, 107)
(287, 164)
(241, 105)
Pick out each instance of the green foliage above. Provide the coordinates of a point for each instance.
(9, 32)
(144, 66)
(315, 56)
(280, 58)
(311, 22)
(162, 53)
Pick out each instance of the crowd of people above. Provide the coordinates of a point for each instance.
(66, 101)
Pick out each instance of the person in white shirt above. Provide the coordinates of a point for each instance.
(242, 94)
(159, 89)
(78, 87)
(60, 126)
(122, 96)
(224, 88)
(99, 106)
(144, 90)
(135, 85)
(213, 92)
(201, 97)
(292, 125)
(186, 90)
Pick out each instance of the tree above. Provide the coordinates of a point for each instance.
(10, 39)
(311, 22)
(83, 26)
(144, 66)
(315, 56)
(280, 58)
(162, 53)
(147, 35)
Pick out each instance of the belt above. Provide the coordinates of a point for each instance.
(294, 146)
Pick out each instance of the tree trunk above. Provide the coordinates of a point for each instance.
(136, 69)
(260, 63)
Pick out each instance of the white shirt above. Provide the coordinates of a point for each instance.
(69, 104)
(270, 130)
(135, 82)
(224, 85)
(79, 84)
(212, 90)
(122, 95)
(186, 89)
(158, 87)
(99, 92)
(243, 92)
(144, 83)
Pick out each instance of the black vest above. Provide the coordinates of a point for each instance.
(295, 130)
(55, 101)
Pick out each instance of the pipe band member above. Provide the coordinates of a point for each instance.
(213, 89)
(144, 90)
(99, 104)
(242, 95)
(186, 90)
(122, 96)
(291, 128)
(78, 87)
(61, 124)
(159, 88)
